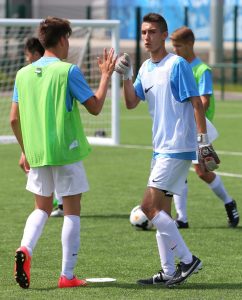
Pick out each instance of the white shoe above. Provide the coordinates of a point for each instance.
(57, 213)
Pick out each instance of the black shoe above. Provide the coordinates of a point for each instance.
(181, 224)
(184, 271)
(232, 213)
(159, 278)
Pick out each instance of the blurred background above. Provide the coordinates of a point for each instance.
(217, 25)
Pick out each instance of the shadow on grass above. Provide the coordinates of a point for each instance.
(106, 216)
(135, 286)
(238, 228)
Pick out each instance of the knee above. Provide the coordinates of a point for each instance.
(148, 210)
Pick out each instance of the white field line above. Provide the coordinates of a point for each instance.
(138, 147)
(224, 174)
(147, 117)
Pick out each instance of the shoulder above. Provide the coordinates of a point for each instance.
(180, 65)
(23, 70)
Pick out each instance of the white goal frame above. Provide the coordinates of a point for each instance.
(114, 27)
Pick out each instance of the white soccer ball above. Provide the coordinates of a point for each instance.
(139, 220)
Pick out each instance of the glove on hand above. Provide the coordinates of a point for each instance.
(208, 157)
(123, 66)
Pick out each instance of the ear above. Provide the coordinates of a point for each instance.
(62, 40)
(164, 35)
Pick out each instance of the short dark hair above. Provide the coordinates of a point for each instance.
(183, 34)
(156, 18)
(52, 29)
(33, 45)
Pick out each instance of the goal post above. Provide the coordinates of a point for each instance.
(88, 39)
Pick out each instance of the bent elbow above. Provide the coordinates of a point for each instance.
(13, 121)
(131, 105)
(95, 112)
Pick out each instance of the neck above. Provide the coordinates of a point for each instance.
(52, 53)
(159, 55)
(191, 57)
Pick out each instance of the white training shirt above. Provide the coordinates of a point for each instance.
(167, 87)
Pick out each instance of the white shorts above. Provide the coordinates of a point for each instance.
(64, 180)
(169, 174)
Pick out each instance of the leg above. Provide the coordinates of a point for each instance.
(163, 182)
(70, 241)
(216, 185)
(180, 202)
(32, 232)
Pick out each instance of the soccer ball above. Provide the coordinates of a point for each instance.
(139, 220)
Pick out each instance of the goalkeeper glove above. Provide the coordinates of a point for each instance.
(123, 66)
(207, 155)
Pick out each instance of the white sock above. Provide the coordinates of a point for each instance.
(33, 229)
(70, 244)
(218, 188)
(180, 202)
(166, 225)
(167, 257)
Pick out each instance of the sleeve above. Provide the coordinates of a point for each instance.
(15, 94)
(78, 87)
(205, 85)
(183, 84)
(139, 88)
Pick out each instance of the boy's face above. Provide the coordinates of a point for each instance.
(180, 48)
(152, 36)
(31, 57)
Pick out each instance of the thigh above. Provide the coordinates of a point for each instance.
(44, 203)
(154, 201)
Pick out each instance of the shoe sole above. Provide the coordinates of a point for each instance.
(20, 275)
(233, 224)
(195, 271)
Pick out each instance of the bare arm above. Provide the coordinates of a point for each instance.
(106, 65)
(16, 127)
(131, 100)
(199, 114)
(15, 124)
(205, 101)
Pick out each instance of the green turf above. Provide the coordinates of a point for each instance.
(110, 247)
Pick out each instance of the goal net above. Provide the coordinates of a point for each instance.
(87, 41)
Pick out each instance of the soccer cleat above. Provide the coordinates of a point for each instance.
(159, 278)
(57, 213)
(184, 271)
(69, 283)
(22, 267)
(232, 213)
(181, 224)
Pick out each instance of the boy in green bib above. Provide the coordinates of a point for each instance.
(183, 42)
(47, 124)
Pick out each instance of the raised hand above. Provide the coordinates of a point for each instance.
(107, 62)
(124, 66)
